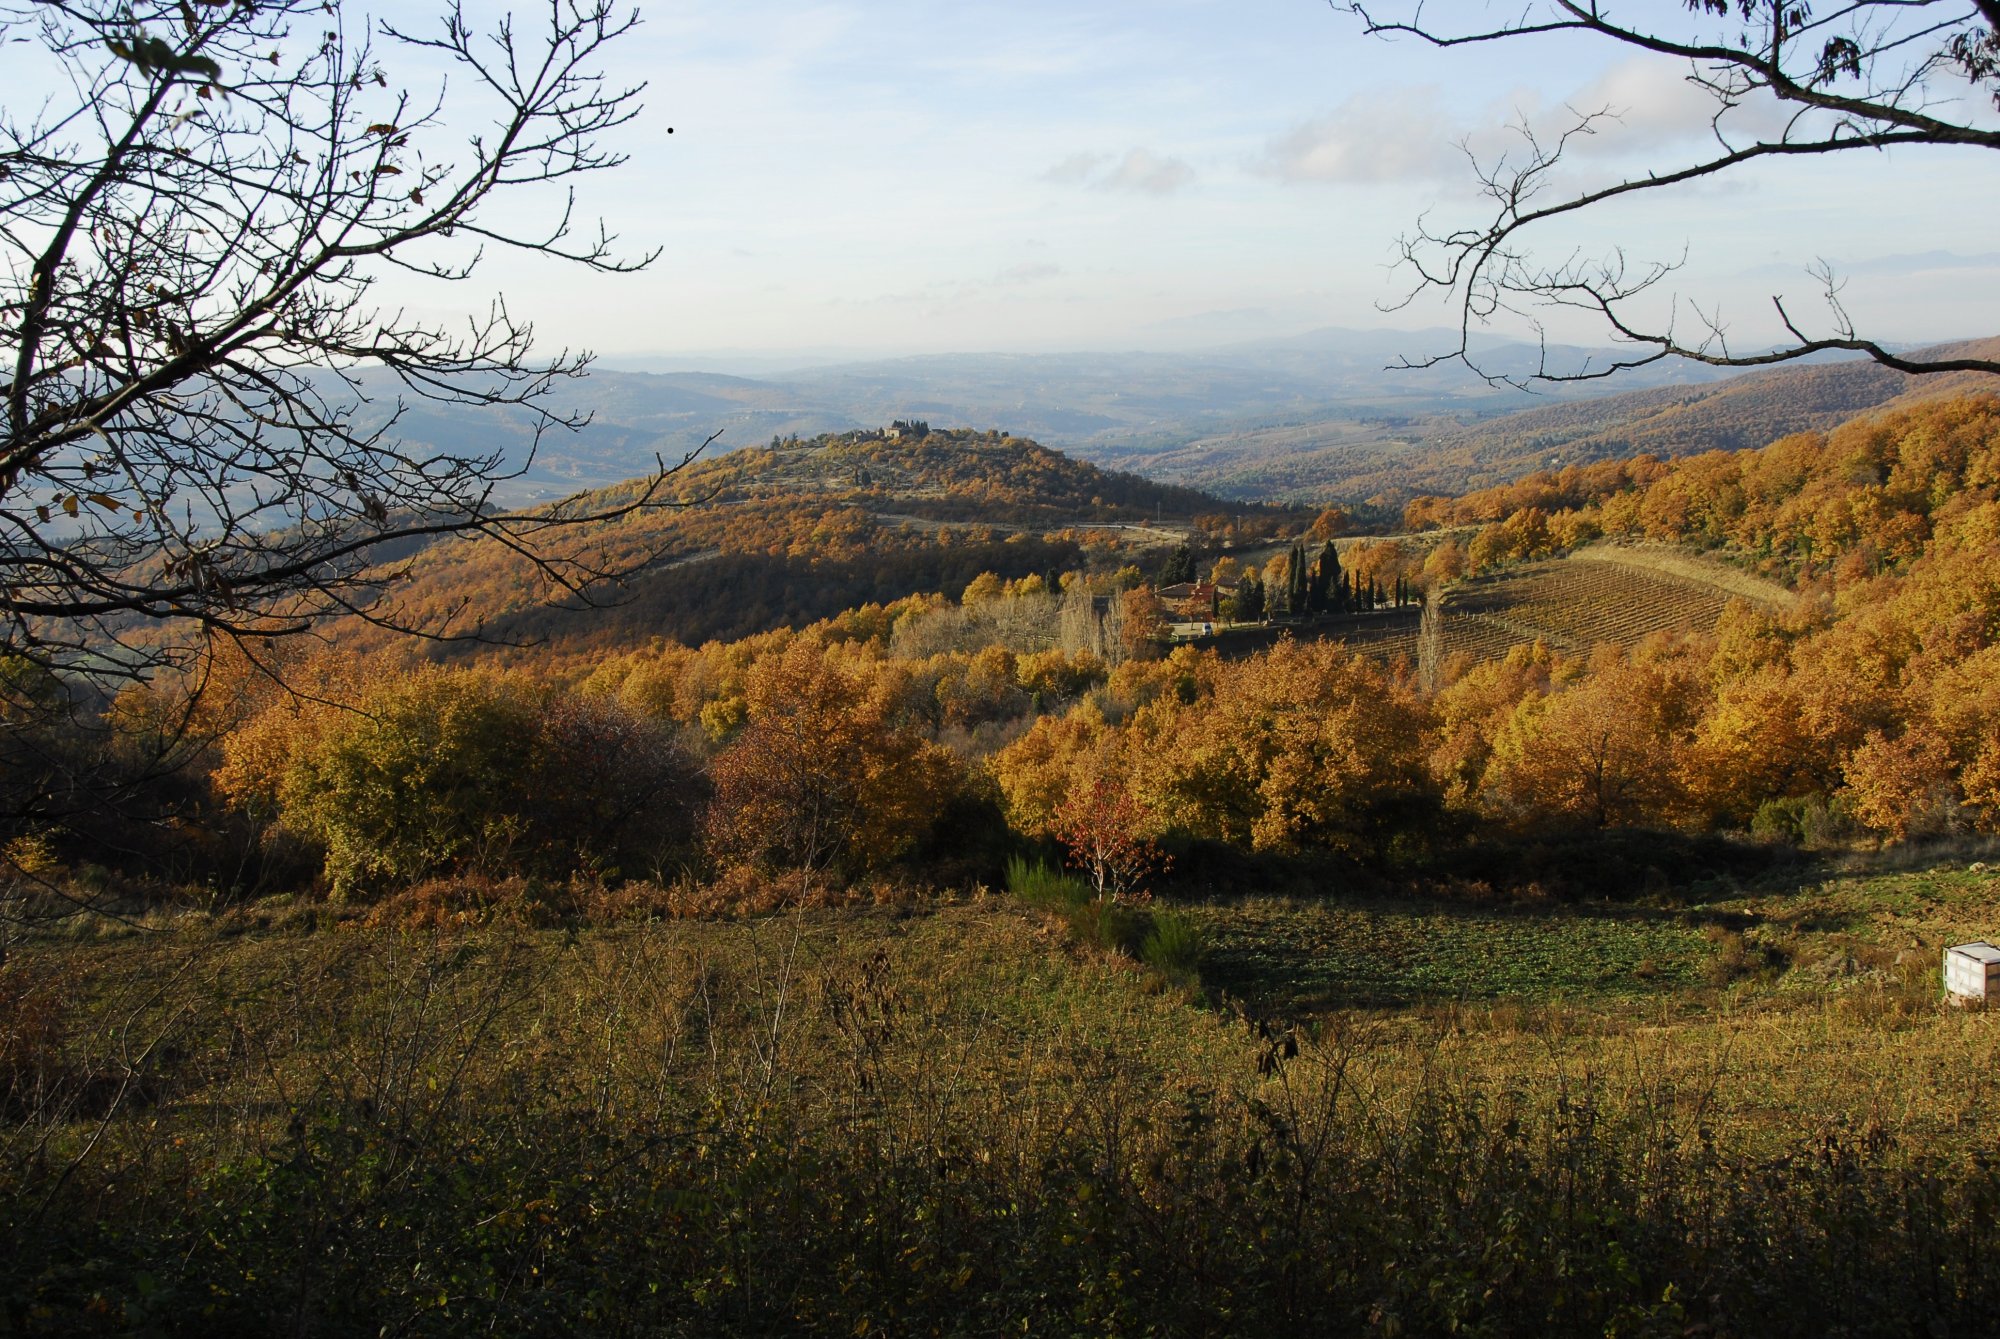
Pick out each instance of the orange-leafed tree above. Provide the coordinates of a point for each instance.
(1756, 743)
(1446, 563)
(1300, 748)
(1056, 756)
(1603, 752)
(1962, 708)
(822, 778)
(1144, 630)
(1469, 713)
(1903, 787)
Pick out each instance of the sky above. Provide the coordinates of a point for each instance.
(859, 178)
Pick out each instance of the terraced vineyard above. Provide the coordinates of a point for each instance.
(1604, 594)
(1575, 603)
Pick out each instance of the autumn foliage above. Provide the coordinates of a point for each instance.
(1104, 831)
(1037, 708)
(822, 776)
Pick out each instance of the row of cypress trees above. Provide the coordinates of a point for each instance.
(1322, 587)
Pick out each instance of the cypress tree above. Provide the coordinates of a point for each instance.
(1325, 575)
(1250, 600)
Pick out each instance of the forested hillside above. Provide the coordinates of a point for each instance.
(1873, 697)
(947, 728)
(783, 534)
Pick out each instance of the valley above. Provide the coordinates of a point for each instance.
(886, 894)
(916, 671)
(1323, 418)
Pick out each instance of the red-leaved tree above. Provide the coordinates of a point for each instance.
(1104, 831)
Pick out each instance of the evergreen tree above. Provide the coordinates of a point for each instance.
(1179, 567)
(1250, 600)
(1326, 575)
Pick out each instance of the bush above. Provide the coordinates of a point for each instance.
(1737, 958)
(1104, 922)
(1111, 926)
(1040, 885)
(1807, 821)
(34, 1028)
(424, 780)
(476, 899)
(1173, 947)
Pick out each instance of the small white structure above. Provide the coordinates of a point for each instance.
(1972, 971)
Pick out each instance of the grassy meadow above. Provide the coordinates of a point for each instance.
(957, 1117)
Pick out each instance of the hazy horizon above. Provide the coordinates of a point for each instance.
(857, 179)
(848, 182)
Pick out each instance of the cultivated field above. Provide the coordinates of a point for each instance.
(1592, 597)
(1608, 593)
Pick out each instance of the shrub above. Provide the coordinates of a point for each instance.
(1040, 885)
(423, 780)
(1737, 958)
(1102, 922)
(1173, 947)
(1811, 822)
(1111, 926)
(475, 899)
(34, 1027)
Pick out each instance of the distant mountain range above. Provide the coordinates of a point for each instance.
(1095, 405)
(1312, 418)
(1390, 459)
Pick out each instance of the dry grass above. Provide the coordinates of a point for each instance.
(893, 1119)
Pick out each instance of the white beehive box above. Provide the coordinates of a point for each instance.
(1972, 971)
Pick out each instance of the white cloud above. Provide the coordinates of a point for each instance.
(1143, 170)
(1140, 170)
(1027, 273)
(1649, 103)
(1399, 135)
(1653, 103)
(1075, 170)
(1407, 134)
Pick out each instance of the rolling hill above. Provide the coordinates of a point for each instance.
(779, 536)
(1392, 458)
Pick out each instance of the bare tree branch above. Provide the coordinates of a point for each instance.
(1859, 75)
(191, 334)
